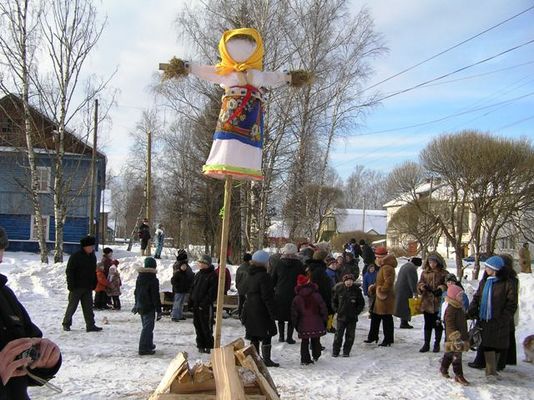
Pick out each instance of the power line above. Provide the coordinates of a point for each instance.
(448, 74)
(446, 117)
(482, 74)
(449, 49)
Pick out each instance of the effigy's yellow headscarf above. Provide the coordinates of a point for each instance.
(227, 64)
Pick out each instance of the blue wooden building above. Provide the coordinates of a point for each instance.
(16, 211)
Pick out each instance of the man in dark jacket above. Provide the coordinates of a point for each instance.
(17, 335)
(147, 304)
(350, 266)
(144, 236)
(241, 277)
(368, 255)
(182, 279)
(81, 281)
(348, 303)
(203, 294)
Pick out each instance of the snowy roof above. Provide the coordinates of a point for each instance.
(350, 220)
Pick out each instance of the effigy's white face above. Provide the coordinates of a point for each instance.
(240, 49)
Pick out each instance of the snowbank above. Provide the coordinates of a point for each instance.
(106, 365)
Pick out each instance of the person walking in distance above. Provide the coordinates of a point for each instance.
(144, 237)
(81, 281)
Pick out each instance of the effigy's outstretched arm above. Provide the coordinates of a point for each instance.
(178, 68)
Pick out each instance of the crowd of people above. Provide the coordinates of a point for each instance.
(302, 290)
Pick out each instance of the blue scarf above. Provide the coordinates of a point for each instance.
(486, 308)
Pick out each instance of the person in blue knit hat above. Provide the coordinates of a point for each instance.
(259, 311)
(494, 305)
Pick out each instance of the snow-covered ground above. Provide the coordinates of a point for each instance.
(106, 365)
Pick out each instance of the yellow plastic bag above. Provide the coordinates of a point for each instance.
(330, 323)
(415, 304)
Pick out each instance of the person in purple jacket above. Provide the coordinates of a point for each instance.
(309, 314)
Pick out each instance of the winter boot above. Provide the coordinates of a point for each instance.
(491, 363)
(426, 346)
(405, 325)
(281, 331)
(290, 339)
(437, 339)
(266, 353)
(445, 364)
(305, 358)
(458, 372)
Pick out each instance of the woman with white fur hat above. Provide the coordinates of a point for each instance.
(284, 272)
(259, 310)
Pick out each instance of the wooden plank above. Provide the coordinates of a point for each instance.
(236, 344)
(185, 388)
(208, 387)
(250, 350)
(163, 66)
(202, 396)
(201, 373)
(185, 376)
(265, 387)
(173, 370)
(228, 384)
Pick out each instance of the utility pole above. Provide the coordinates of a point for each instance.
(92, 197)
(363, 216)
(148, 213)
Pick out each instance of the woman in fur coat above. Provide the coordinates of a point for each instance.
(431, 286)
(494, 305)
(384, 301)
(259, 310)
(284, 272)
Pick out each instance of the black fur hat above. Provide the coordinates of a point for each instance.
(87, 241)
(4, 241)
(182, 255)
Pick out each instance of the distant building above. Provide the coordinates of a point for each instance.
(16, 212)
(508, 241)
(343, 220)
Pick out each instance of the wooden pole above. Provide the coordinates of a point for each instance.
(92, 230)
(148, 213)
(222, 259)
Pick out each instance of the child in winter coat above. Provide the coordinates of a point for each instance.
(113, 290)
(309, 314)
(456, 334)
(331, 269)
(101, 286)
(369, 278)
(348, 302)
(147, 304)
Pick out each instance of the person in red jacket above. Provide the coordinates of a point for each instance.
(100, 290)
(227, 278)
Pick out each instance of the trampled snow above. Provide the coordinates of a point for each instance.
(105, 365)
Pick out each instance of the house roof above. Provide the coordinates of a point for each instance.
(74, 145)
(350, 220)
(440, 189)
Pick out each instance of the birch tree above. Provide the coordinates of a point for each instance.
(19, 38)
(70, 30)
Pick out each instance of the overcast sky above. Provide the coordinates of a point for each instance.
(495, 96)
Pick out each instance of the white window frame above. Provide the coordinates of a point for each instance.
(33, 233)
(42, 182)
